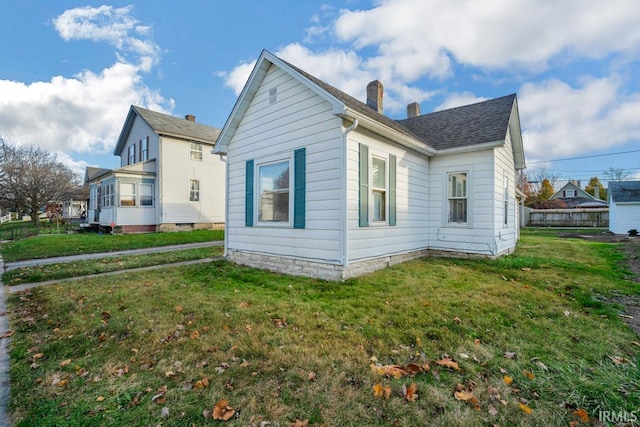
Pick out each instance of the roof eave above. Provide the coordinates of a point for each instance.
(469, 148)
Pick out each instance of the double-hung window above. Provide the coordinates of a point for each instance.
(195, 151)
(379, 188)
(506, 200)
(144, 149)
(107, 195)
(457, 195)
(146, 194)
(127, 194)
(131, 154)
(194, 190)
(273, 192)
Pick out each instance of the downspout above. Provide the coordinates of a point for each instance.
(223, 158)
(344, 202)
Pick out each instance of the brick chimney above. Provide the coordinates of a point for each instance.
(190, 117)
(413, 110)
(374, 95)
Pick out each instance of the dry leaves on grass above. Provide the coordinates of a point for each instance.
(398, 371)
(582, 414)
(524, 408)
(300, 423)
(381, 391)
(410, 393)
(222, 411)
(448, 363)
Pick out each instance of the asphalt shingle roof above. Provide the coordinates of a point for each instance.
(165, 124)
(473, 124)
(624, 191)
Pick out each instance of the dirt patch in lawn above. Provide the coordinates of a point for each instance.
(631, 250)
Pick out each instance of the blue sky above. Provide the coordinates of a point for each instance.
(70, 69)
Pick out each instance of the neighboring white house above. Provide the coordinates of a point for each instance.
(167, 180)
(323, 185)
(624, 206)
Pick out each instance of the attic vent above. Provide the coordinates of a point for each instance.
(273, 95)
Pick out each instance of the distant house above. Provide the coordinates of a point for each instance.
(320, 184)
(624, 206)
(167, 179)
(573, 197)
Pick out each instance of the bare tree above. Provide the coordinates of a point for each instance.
(30, 177)
(617, 174)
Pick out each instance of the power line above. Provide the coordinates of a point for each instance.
(584, 157)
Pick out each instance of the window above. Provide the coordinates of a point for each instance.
(144, 149)
(457, 195)
(570, 193)
(506, 200)
(273, 192)
(146, 194)
(107, 195)
(127, 194)
(195, 151)
(379, 188)
(194, 190)
(132, 154)
(93, 198)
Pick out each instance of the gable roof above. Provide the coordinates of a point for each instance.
(571, 186)
(164, 124)
(624, 191)
(476, 126)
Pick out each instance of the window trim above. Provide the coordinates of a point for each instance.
(448, 198)
(191, 191)
(120, 194)
(144, 149)
(196, 151)
(505, 196)
(131, 154)
(384, 191)
(257, 193)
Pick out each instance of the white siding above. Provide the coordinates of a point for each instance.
(139, 130)
(477, 236)
(505, 234)
(412, 175)
(624, 217)
(270, 132)
(176, 169)
(133, 215)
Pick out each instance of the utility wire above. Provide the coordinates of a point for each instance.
(584, 157)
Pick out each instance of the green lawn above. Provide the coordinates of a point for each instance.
(72, 244)
(533, 342)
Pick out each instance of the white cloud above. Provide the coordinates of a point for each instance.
(413, 39)
(84, 113)
(112, 25)
(458, 100)
(563, 121)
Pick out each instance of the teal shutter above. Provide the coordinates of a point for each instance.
(364, 186)
(299, 187)
(392, 189)
(248, 195)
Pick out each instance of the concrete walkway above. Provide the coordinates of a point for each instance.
(42, 261)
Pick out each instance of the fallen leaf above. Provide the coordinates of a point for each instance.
(463, 395)
(198, 384)
(409, 393)
(195, 335)
(205, 381)
(510, 355)
(222, 410)
(524, 408)
(583, 415)
(169, 374)
(525, 269)
(311, 376)
(300, 423)
(178, 309)
(457, 320)
(164, 413)
(476, 341)
(507, 379)
(492, 410)
(395, 371)
(529, 374)
(99, 398)
(244, 304)
(65, 362)
(37, 356)
(448, 363)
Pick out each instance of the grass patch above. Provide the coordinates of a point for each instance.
(103, 265)
(256, 337)
(83, 243)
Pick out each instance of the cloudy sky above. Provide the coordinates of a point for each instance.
(70, 70)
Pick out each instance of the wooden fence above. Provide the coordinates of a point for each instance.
(568, 217)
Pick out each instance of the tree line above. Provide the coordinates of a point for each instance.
(31, 178)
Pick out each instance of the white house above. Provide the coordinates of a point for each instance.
(574, 197)
(624, 206)
(167, 179)
(323, 185)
